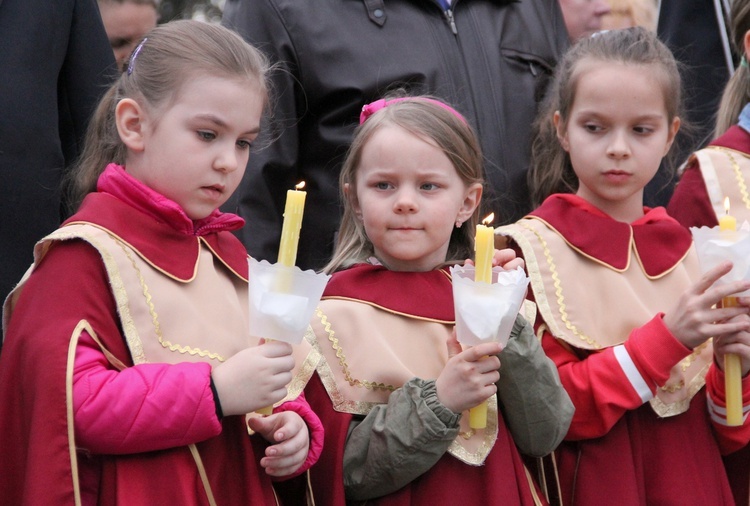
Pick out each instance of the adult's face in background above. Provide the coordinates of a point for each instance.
(583, 17)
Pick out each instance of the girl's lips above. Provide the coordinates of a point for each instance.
(214, 191)
(617, 175)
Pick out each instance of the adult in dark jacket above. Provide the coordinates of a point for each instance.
(55, 62)
(488, 58)
(695, 31)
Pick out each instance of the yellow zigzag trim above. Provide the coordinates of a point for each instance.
(737, 174)
(370, 385)
(155, 319)
(559, 291)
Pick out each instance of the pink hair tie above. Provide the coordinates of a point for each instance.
(373, 107)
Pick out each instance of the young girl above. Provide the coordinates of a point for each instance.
(623, 309)
(719, 171)
(391, 393)
(128, 366)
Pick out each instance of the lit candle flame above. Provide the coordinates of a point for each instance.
(489, 219)
(299, 185)
(726, 205)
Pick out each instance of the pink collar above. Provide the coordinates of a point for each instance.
(117, 182)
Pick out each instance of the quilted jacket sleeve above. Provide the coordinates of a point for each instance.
(142, 408)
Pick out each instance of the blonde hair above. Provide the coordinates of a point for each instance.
(170, 55)
(550, 170)
(426, 120)
(737, 90)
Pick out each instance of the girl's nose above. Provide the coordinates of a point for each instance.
(618, 146)
(226, 160)
(405, 202)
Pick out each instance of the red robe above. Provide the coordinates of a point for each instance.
(501, 480)
(38, 459)
(691, 206)
(617, 448)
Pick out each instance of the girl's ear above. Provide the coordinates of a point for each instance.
(351, 196)
(129, 118)
(746, 40)
(673, 129)
(471, 201)
(562, 135)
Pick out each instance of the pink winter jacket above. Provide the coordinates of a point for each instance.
(190, 418)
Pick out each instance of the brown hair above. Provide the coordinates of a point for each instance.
(171, 54)
(550, 170)
(737, 90)
(426, 120)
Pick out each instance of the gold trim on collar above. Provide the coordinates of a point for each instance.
(741, 184)
(538, 284)
(118, 289)
(485, 439)
(631, 246)
(145, 259)
(370, 385)
(120, 294)
(392, 311)
(155, 318)
(667, 271)
(306, 369)
(216, 255)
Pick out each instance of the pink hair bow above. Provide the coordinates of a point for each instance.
(373, 107)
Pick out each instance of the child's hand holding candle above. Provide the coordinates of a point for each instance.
(732, 362)
(293, 212)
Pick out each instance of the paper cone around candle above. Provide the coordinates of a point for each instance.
(715, 246)
(282, 300)
(486, 313)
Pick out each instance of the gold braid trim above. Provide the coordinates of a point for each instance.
(558, 289)
(741, 185)
(684, 364)
(155, 318)
(665, 410)
(370, 385)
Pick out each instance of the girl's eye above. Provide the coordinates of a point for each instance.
(206, 135)
(591, 127)
(382, 185)
(429, 186)
(642, 130)
(242, 144)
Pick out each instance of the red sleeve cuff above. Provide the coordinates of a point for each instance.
(655, 350)
(314, 425)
